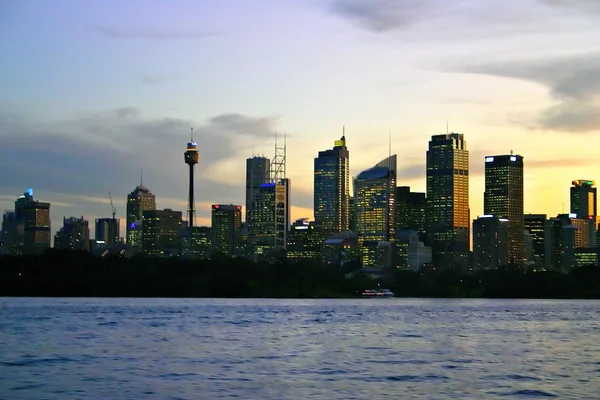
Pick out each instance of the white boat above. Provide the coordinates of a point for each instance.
(379, 292)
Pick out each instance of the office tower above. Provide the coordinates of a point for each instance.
(448, 222)
(191, 158)
(411, 252)
(74, 235)
(10, 238)
(490, 242)
(270, 217)
(304, 241)
(197, 242)
(138, 201)
(374, 204)
(258, 171)
(351, 215)
(566, 234)
(33, 224)
(161, 232)
(537, 226)
(226, 221)
(410, 210)
(503, 197)
(332, 188)
(107, 231)
(584, 199)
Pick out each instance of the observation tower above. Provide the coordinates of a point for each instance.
(191, 157)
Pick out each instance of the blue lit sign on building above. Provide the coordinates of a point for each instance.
(29, 192)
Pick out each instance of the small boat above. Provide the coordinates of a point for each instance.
(379, 292)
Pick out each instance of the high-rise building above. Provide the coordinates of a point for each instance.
(33, 223)
(410, 210)
(258, 172)
(162, 232)
(351, 215)
(332, 188)
(537, 226)
(226, 229)
(191, 157)
(584, 199)
(304, 241)
(490, 242)
(375, 208)
(107, 231)
(74, 234)
(503, 197)
(566, 234)
(10, 238)
(448, 224)
(138, 201)
(197, 242)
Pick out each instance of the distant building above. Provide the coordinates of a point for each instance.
(375, 208)
(304, 242)
(226, 228)
(537, 226)
(342, 251)
(32, 224)
(197, 242)
(566, 234)
(10, 237)
(107, 231)
(587, 257)
(138, 201)
(258, 170)
(584, 199)
(332, 188)
(162, 232)
(448, 220)
(411, 252)
(503, 197)
(74, 235)
(410, 210)
(490, 242)
(351, 215)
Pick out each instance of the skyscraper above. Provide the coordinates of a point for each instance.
(226, 221)
(332, 188)
(107, 231)
(138, 201)
(191, 157)
(584, 199)
(162, 232)
(33, 223)
(537, 226)
(490, 242)
(503, 198)
(410, 210)
(375, 209)
(74, 234)
(448, 224)
(258, 171)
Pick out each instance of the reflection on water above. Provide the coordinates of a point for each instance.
(291, 349)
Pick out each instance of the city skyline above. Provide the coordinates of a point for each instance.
(368, 70)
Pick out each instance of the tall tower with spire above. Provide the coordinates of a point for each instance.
(191, 157)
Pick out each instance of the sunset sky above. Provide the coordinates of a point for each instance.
(91, 92)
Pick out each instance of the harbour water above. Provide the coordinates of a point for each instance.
(294, 349)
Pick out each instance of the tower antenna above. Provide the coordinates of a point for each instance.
(141, 177)
(344, 131)
(191, 134)
(447, 130)
(389, 143)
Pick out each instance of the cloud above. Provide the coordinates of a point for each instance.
(572, 81)
(155, 79)
(380, 15)
(153, 33)
(589, 7)
(78, 161)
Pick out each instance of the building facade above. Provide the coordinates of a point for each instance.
(32, 219)
(410, 210)
(537, 226)
(107, 231)
(490, 242)
(74, 234)
(304, 242)
(138, 201)
(162, 232)
(332, 188)
(584, 199)
(226, 235)
(448, 220)
(503, 197)
(258, 172)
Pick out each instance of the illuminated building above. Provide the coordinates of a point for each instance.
(107, 231)
(191, 157)
(490, 242)
(503, 197)
(332, 188)
(74, 235)
(304, 242)
(258, 170)
(584, 199)
(566, 234)
(341, 250)
(374, 194)
(138, 201)
(33, 224)
(161, 232)
(197, 242)
(537, 226)
(226, 220)
(351, 215)
(9, 235)
(587, 257)
(448, 221)
(411, 252)
(410, 210)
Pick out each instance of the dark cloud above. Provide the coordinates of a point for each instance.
(572, 81)
(381, 15)
(153, 33)
(79, 160)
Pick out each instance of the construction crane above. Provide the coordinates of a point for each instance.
(114, 210)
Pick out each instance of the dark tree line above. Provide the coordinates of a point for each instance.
(78, 273)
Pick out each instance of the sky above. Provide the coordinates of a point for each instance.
(94, 91)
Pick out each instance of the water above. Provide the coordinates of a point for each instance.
(294, 349)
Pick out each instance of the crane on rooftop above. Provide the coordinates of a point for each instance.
(114, 210)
